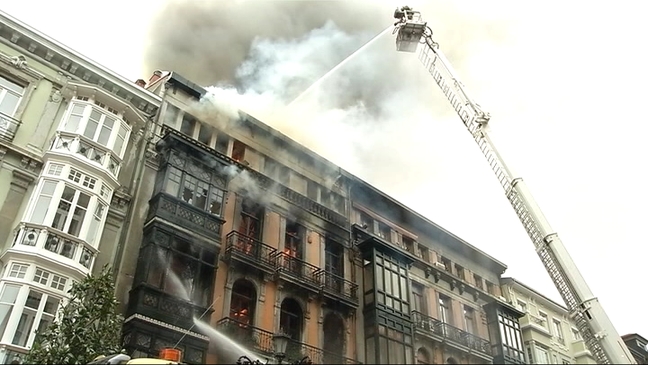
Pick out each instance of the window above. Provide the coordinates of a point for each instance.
(71, 211)
(243, 302)
(196, 186)
(384, 231)
(7, 301)
(95, 223)
(542, 357)
(55, 169)
(10, 95)
(238, 151)
(105, 191)
(188, 125)
(479, 281)
(394, 346)
(447, 264)
(418, 303)
(43, 202)
(98, 125)
(38, 313)
(558, 332)
(290, 321)
(545, 320)
(41, 276)
(461, 273)
(312, 191)
(576, 334)
(251, 219)
(184, 270)
(222, 143)
(522, 305)
(293, 240)
(408, 243)
(511, 337)
(18, 271)
(444, 309)
(58, 282)
(171, 115)
(469, 319)
(205, 134)
(391, 284)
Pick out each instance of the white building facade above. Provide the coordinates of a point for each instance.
(548, 334)
(70, 132)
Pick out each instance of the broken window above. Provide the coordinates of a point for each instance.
(195, 188)
(447, 264)
(384, 231)
(243, 302)
(409, 244)
(312, 191)
(479, 282)
(366, 221)
(205, 134)
(294, 246)
(461, 273)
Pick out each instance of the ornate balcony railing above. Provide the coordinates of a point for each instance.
(250, 251)
(8, 127)
(338, 285)
(54, 241)
(297, 269)
(257, 254)
(259, 340)
(164, 307)
(186, 215)
(433, 326)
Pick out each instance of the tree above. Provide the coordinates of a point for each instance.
(86, 327)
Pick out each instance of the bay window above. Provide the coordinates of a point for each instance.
(196, 186)
(97, 125)
(70, 209)
(7, 302)
(22, 319)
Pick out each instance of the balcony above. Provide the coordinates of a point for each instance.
(257, 255)
(154, 303)
(260, 341)
(336, 286)
(250, 251)
(444, 332)
(185, 215)
(297, 271)
(55, 245)
(8, 127)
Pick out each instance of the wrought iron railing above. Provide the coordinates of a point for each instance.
(250, 249)
(434, 326)
(258, 254)
(260, 341)
(338, 285)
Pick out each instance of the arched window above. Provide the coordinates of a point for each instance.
(333, 339)
(243, 302)
(291, 319)
(422, 356)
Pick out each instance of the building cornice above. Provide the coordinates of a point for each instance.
(59, 57)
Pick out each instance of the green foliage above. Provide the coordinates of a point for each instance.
(86, 327)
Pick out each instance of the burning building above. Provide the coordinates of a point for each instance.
(217, 224)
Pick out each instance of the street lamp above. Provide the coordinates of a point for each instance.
(280, 342)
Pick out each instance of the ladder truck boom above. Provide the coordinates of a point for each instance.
(597, 330)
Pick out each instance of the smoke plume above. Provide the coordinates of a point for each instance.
(258, 56)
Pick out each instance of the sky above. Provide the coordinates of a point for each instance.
(563, 83)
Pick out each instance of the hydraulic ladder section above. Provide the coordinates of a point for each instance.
(595, 327)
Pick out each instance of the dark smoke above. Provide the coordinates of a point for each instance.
(207, 41)
(263, 54)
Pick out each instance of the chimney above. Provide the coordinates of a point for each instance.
(140, 83)
(156, 76)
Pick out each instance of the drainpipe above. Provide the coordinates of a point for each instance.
(136, 184)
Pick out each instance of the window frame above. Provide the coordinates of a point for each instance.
(176, 172)
(21, 95)
(55, 200)
(82, 126)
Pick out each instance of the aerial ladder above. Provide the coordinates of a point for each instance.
(595, 327)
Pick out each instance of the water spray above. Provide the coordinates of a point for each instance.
(194, 324)
(326, 75)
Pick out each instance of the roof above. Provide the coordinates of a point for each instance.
(519, 284)
(491, 262)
